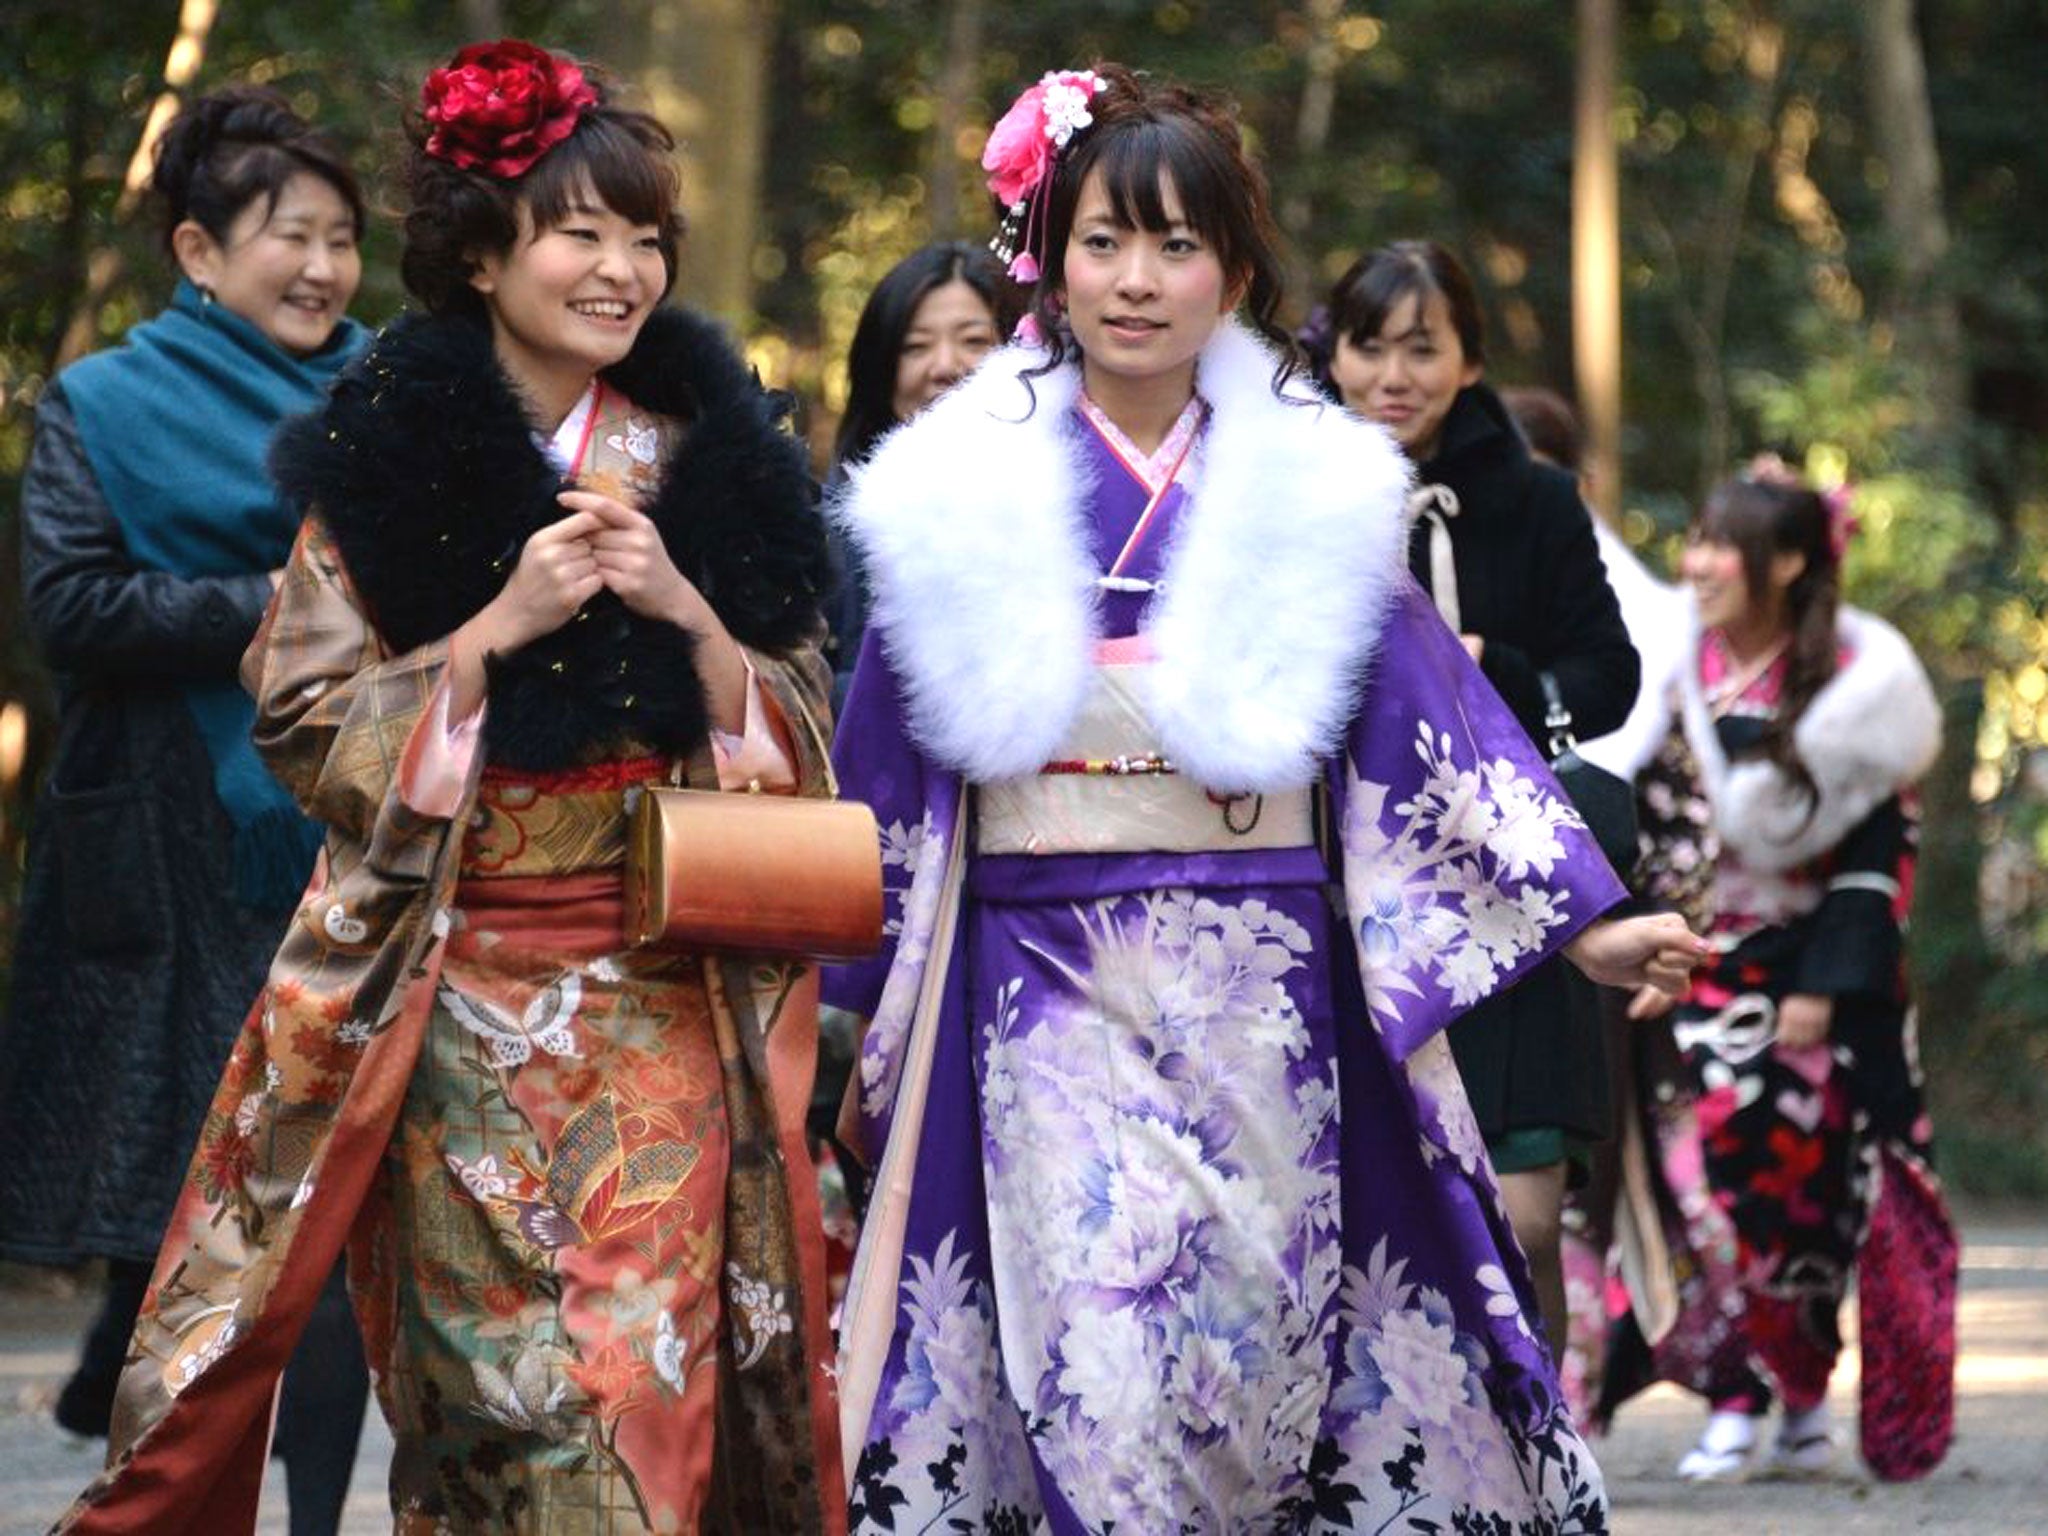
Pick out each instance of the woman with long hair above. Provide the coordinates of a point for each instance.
(933, 316)
(1799, 1145)
(556, 547)
(1180, 1219)
(165, 858)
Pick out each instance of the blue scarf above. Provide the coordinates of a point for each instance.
(177, 423)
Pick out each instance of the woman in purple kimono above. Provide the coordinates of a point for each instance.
(1199, 828)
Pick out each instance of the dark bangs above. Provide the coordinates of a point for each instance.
(1381, 281)
(1135, 166)
(626, 160)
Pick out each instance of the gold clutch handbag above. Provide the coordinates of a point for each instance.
(753, 874)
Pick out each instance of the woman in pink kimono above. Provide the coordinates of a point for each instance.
(1199, 828)
(556, 546)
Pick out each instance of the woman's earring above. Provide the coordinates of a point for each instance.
(205, 295)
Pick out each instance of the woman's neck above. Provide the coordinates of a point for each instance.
(1755, 639)
(1144, 409)
(549, 394)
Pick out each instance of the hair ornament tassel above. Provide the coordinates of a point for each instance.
(1022, 151)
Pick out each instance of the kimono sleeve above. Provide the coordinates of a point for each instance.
(1853, 944)
(917, 808)
(1464, 864)
(335, 714)
(798, 687)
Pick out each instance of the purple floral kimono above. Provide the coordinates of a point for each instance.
(1181, 1219)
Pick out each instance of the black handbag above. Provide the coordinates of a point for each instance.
(1606, 802)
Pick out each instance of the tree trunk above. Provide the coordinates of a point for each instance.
(702, 68)
(1596, 253)
(1930, 347)
(103, 268)
(943, 199)
(1922, 304)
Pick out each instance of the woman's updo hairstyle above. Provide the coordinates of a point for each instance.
(231, 147)
(1143, 128)
(623, 157)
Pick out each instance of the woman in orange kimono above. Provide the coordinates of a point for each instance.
(557, 546)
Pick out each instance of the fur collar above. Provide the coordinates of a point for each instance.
(973, 520)
(424, 468)
(1869, 733)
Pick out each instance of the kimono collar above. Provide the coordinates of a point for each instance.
(974, 521)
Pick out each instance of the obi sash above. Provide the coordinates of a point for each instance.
(1109, 791)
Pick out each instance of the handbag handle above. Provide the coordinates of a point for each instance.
(1557, 719)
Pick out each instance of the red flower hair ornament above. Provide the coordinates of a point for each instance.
(498, 107)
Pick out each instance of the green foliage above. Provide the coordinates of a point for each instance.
(1760, 292)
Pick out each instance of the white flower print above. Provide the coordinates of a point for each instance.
(190, 1367)
(1433, 881)
(482, 1178)
(913, 900)
(1416, 1360)
(1164, 1203)
(1102, 1351)
(763, 1314)
(671, 1350)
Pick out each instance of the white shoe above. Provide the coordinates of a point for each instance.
(1805, 1445)
(1724, 1450)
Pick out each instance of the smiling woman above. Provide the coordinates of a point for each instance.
(165, 859)
(557, 547)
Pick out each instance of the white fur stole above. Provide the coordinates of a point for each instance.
(1873, 729)
(973, 519)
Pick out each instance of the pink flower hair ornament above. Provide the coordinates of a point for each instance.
(1837, 500)
(498, 107)
(1022, 150)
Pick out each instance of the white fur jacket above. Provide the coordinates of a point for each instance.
(974, 522)
(1871, 731)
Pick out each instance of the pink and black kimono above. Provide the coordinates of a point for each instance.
(1199, 829)
(1786, 1170)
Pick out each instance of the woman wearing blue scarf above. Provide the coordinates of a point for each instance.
(165, 859)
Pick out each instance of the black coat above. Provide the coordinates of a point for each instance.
(1531, 583)
(133, 963)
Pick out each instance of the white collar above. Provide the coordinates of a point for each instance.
(973, 520)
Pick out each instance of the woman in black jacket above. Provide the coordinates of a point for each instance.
(1506, 549)
(165, 860)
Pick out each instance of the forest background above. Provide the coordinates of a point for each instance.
(1833, 242)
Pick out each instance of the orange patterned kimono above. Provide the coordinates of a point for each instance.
(585, 1242)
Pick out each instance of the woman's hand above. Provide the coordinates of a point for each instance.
(632, 560)
(1657, 951)
(1804, 1020)
(1649, 1003)
(556, 575)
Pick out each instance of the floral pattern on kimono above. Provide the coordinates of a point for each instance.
(290, 1156)
(1185, 1241)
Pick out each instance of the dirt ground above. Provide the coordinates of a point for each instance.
(1994, 1482)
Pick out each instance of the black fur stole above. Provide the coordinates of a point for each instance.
(423, 467)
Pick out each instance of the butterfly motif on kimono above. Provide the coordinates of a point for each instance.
(547, 1021)
(638, 442)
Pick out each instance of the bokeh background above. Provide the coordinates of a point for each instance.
(1832, 236)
